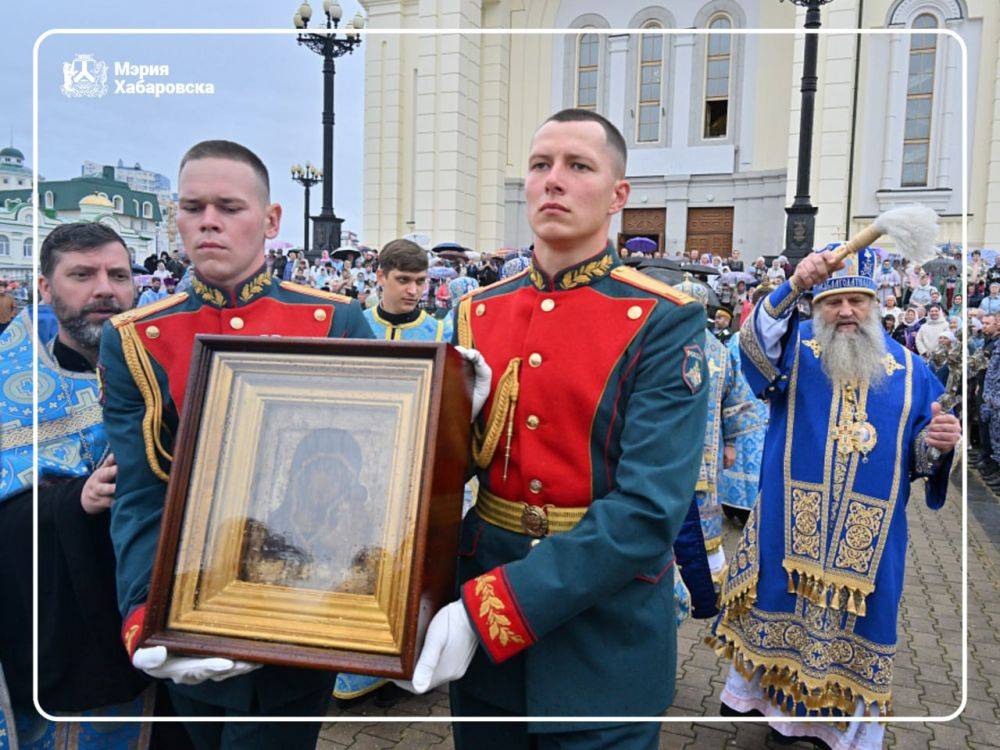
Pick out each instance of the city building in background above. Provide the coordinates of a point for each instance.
(145, 180)
(711, 121)
(134, 214)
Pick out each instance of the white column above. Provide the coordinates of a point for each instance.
(493, 129)
(948, 92)
(991, 224)
(895, 103)
(384, 204)
(617, 59)
(680, 107)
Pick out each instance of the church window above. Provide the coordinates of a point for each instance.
(587, 59)
(717, 58)
(650, 80)
(919, 97)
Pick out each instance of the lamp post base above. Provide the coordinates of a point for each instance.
(800, 228)
(326, 234)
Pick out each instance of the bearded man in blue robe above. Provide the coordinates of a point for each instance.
(811, 597)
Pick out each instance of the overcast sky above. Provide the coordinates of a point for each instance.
(268, 94)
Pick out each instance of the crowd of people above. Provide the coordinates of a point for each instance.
(617, 420)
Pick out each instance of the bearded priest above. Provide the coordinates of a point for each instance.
(811, 597)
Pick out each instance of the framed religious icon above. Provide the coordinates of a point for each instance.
(314, 504)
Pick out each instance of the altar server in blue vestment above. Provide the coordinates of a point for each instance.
(738, 483)
(811, 597)
(402, 276)
(730, 404)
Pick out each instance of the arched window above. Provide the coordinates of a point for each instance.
(119, 204)
(4, 244)
(588, 49)
(147, 210)
(919, 96)
(104, 195)
(29, 244)
(650, 80)
(50, 200)
(717, 59)
(135, 205)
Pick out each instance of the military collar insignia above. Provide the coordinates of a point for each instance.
(208, 294)
(254, 287)
(581, 274)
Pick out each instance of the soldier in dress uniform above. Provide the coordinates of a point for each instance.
(225, 214)
(587, 454)
(402, 276)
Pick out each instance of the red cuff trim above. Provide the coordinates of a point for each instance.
(494, 612)
(132, 629)
(656, 578)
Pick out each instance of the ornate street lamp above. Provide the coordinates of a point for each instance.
(330, 45)
(800, 226)
(306, 176)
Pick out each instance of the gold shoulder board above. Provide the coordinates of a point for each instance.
(138, 313)
(472, 293)
(312, 291)
(647, 283)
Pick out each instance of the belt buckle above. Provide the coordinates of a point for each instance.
(534, 521)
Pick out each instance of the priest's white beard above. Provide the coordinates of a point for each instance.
(852, 355)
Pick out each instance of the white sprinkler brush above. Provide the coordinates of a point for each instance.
(914, 228)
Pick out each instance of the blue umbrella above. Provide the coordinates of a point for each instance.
(641, 245)
(442, 272)
(734, 277)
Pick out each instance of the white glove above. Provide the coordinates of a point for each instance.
(187, 670)
(448, 650)
(484, 378)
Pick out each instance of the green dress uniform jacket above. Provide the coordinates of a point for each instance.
(587, 454)
(145, 357)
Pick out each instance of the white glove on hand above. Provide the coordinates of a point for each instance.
(187, 670)
(448, 650)
(484, 378)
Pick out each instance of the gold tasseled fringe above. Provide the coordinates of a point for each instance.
(826, 594)
(713, 544)
(781, 676)
(738, 601)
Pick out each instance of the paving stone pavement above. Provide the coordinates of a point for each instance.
(927, 669)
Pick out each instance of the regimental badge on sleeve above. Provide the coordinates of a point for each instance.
(693, 366)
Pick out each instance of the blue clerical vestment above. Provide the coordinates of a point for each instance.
(71, 438)
(424, 328)
(730, 404)
(738, 483)
(812, 594)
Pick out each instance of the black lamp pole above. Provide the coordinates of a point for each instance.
(306, 176)
(800, 226)
(326, 225)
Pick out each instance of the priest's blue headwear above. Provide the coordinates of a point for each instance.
(857, 275)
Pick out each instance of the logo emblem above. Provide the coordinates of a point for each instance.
(691, 372)
(85, 76)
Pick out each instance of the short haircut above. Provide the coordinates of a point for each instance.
(612, 136)
(80, 236)
(233, 152)
(402, 255)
